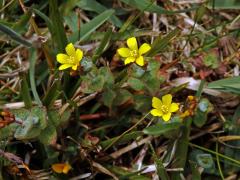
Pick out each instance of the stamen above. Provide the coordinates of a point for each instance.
(134, 53)
(164, 109)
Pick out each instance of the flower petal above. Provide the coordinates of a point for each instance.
(144, 48)
(156, 103)
(156, 112)
(129, 60)
(124, 52)
(66, 168)
(140, 61)
(132, 43)
(70, 49)
(58, 168)
(79, 54)
(75, 67)
(62, 58)
(174, 107)
(166, 117)
(65, 66)
(167, 100)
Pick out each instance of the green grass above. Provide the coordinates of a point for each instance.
(98, 118)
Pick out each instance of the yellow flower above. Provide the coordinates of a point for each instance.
(71, 59)
(164, 108)
(61, 167)
(132, 53)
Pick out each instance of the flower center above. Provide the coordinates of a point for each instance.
(134, 53)
(164, 109)
(71, 60)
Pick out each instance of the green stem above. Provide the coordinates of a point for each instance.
(218, 162)
(215, 153)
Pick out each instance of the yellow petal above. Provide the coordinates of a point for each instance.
(58, 168)
(79, 54)
(65, 66)
(144, 48)
(129, 60)
(62, 58)
(156, 112)
(140, 61)
(167, 116)
(132, 43)
(70, 49)
(174, 107)
(66, 168)
(156, 103)
(167, 100)
(124, 52)
(75, 67)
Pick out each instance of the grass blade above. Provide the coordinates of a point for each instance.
(92, 5)
(59, 35)
(146, 5)
(162, 173)
(25, 92)
(33, 59)
(160, 43)
(88, 28)
(103, 46)
(15, 36)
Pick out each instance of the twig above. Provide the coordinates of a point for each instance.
(130, 147)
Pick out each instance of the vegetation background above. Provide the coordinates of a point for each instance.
(95, 122)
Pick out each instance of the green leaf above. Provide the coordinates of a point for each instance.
(136, 71)
(72, 21)
(153, 67)
(7, 132)
(91, 26)
(223, 4)
(229, 151)
(152, 82)
(230, 85)
(108, 97)
(142, 102)
(59, 35)
(33, 59)
(136, 84)
(200, 13)
(103, 45)
(211, 60)
(162, 173)
(22, 23)
(46, 19)
(182, 148)
(92, 84)
(92, 5)
(86, 64)
(160, 43)
(161, 128)
(52, 94)
(14, 35)
(122, 96)
(124, 174)
(34, 121)
(25, 94)
(205, 160)
(146, 5)
(97, 80)
(195, 172)
(48, 135)
(108, 76)
(58, 120)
